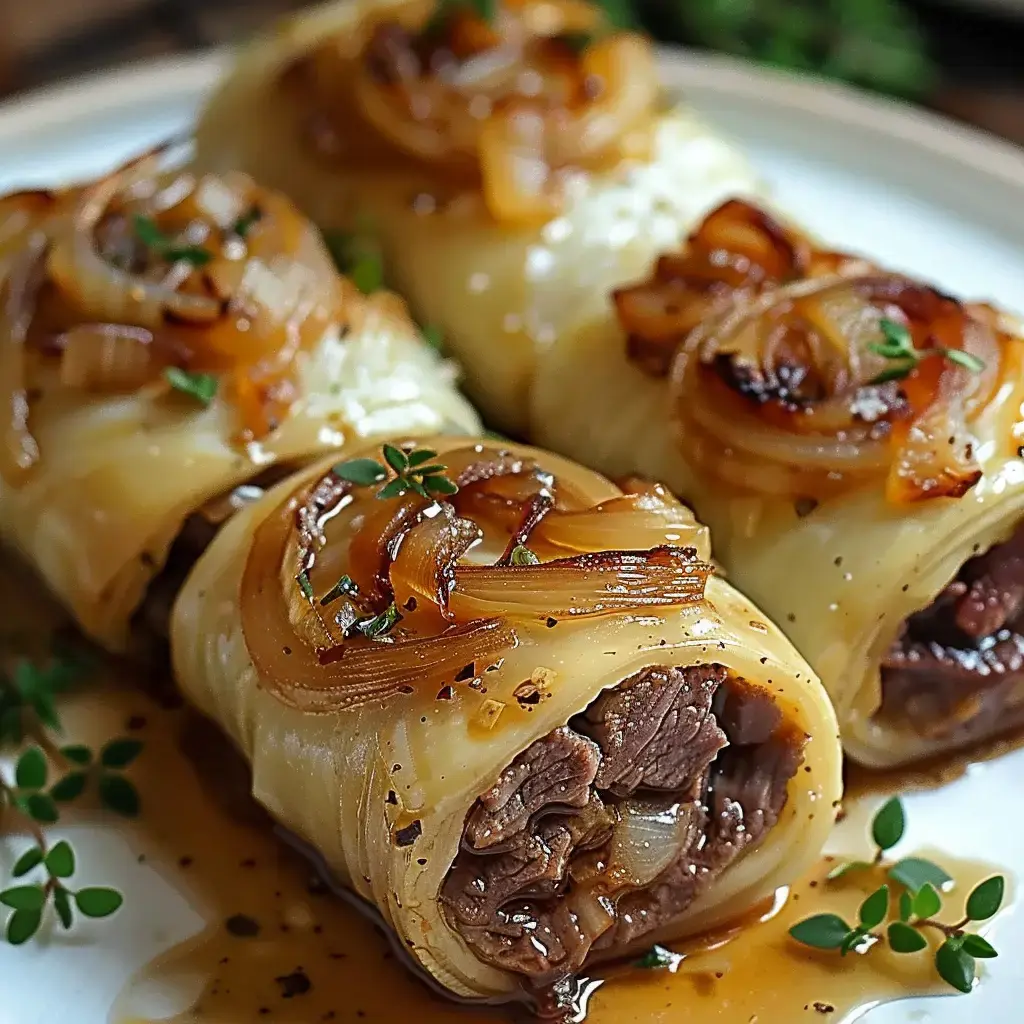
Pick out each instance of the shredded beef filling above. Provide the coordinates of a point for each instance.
(955, 669)
(537, 886)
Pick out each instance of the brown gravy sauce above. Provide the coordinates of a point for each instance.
(279, 946)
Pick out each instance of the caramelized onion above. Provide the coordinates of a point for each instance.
(777, 382)
(425, 564)
(511, 103)
(103, 291)
(408, 555)
(358, 671)
(151, 268)
(591, 584)
(649, 518)
(106, 357)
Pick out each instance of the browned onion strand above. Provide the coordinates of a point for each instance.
(770, 341)
(651, 517)
(357, 672)
(590, 584)
(425, 563)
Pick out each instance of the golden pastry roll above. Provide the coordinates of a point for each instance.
(523, 721)
(853, 438)
(512, 172)
(166, 337)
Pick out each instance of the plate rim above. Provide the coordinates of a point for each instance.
(982, 154)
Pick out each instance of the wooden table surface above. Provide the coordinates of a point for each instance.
(980, 56)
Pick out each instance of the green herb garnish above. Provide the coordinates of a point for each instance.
(898, 347)
(246, 222)
(657, 956)
(919, 900)
(359, 258)
(200, 386)
(875, 43)
(29, 713)
(147, 231)
(413, 472)
(522, 555)
(379, 625)
(345, 587)
(304, 585)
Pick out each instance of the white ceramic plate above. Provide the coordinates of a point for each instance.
(914, 191)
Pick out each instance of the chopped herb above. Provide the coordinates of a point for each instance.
(152, 237)
(380, 625)
(918, 905)
(411, 473)
(363, 472)
(246, 222)
(898, 347)
(304, 585)
(522, 555)
(344, 587)
(200, 386)
(359, 258)
(657, 956)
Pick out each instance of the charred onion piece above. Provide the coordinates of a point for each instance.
(778, 387)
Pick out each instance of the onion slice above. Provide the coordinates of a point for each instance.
(357, 672)
(590, 584)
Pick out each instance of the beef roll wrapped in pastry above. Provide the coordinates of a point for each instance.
(510, 705)
(853, 438)
(164, 338)
(513, 171)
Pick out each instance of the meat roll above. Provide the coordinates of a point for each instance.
(164, 338)
(513, 172)
(853, 438)
(523, 721)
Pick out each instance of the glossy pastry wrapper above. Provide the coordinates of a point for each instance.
(839, 581)
(500, 294)
(327, 777)
(121, 474)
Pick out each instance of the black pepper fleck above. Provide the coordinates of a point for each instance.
(466, 672)
(242, 926)
(551, 622)
(445, 693)
(824, 1008)
(392, 797)
(294, 984)
(184, 862)
(408, 835)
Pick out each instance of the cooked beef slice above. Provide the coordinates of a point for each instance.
(532, 889)
(956, 665)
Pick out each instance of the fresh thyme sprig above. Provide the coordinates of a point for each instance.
(898, 347)
(149, 233)
(918, 883)
(28, 713)
(414, 471)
